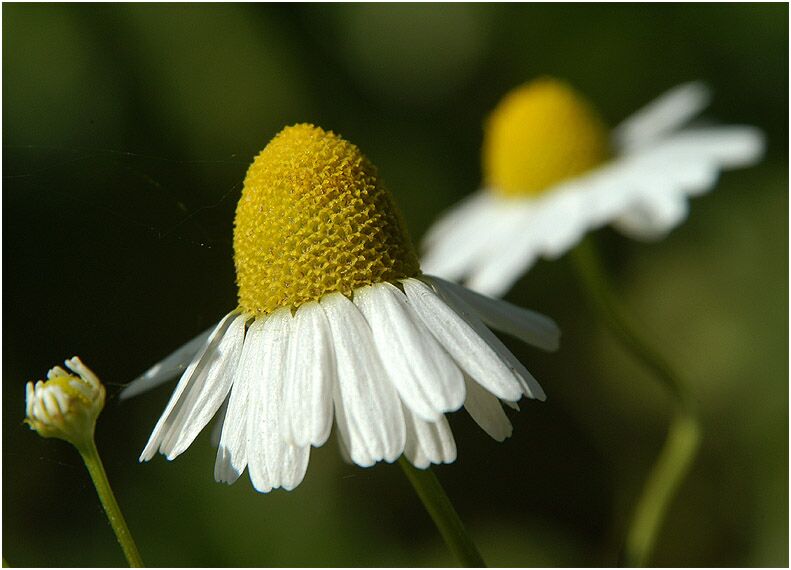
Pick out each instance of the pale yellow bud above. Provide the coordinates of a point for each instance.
(66, 405)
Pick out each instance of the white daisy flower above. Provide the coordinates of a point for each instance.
(552, 172)
(336, 322)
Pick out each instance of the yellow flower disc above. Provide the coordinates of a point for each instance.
(313, 219)
(540, 134)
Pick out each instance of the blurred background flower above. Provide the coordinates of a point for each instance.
(127, 132)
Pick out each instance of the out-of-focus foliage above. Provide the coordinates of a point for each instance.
(127, 132)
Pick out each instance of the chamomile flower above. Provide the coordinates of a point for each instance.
(66, 405)
(553, 171)
(337, 324)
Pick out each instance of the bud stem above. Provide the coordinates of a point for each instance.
(90, 455)
(683, 437)
(443, 514)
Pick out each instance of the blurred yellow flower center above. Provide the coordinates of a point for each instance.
(540, 134)
(314, 218)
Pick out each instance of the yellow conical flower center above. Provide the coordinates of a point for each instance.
(541, 133)
(313, 219)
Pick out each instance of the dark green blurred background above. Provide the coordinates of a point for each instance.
(127, 133)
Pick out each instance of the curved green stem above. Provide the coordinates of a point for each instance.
(443, 514)
(90, 455)
(683, 438)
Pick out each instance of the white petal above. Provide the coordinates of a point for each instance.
(669, 112)
(474, 354)
(560, 221)
(219, 418)
(373, 418)
(344, 433)
(272, 461)
(426, 377)
(311, 378)
(232, 451)
(487, 412)
(531, 387)
(547, 226)
(343, 449)
(210, 390)
(652, 218)
(56, 371)
(731, 146)
(452, 255)
(456, 215)
(50, 403)
(498, 272)
(168, 368)
(529, 326)
(30, 395)
(191, 382)
(428, 442)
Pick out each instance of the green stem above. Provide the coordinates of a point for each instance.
(683, 437)
(90, 455)
(443, 514)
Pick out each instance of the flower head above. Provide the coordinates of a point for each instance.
(540, 134)
(314, 218)
(552, 172)
(65, 406)
(337, 324)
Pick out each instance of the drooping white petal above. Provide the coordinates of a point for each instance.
(559, 223)
(547, 226)
(487, 412)
(458, 214)
(344, 434)
(219, 418)
(426, 377)
(428, 442)
(667, 113)
(371, 407)
(652, 217)
(211, 389)
(168, 368)
(311, 378)
(193, 380)
(460, 246)
(513, 405)
(474, 354)
(529, 326)
(232, 451)
(530, 386)
(272, 462)
(726, 147)
(495, 274)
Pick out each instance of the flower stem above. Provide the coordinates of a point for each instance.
(443, 514)
(683, 437)
(90, 455)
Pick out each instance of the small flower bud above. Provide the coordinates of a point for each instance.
(65, 406)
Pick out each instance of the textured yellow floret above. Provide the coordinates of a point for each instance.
(541, 133)
(313, 219)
